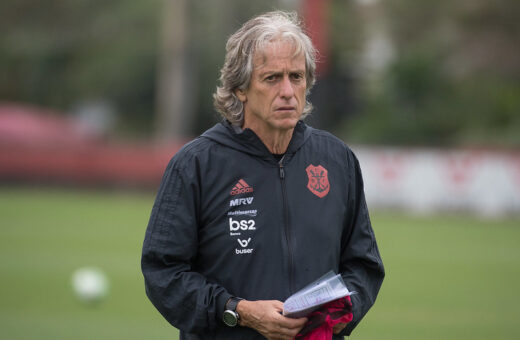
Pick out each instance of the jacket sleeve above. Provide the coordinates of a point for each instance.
(361, 265)
(182, 295)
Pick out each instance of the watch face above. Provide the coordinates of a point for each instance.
(230, 318)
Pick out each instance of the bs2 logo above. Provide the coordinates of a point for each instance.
(241, 225)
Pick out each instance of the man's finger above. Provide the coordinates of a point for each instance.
(292, 323)
(338, 327)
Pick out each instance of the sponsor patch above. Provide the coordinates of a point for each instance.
(251, 213)
(244, 243)
(241, 201)
(241, 188)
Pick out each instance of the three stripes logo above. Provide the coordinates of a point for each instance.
(241, 188)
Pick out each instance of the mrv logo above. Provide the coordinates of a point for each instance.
(241, 225)
(240, 201)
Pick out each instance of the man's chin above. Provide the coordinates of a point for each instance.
(286, 124)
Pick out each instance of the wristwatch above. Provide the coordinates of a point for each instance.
(230, 316)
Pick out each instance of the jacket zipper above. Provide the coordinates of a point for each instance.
(286, 224)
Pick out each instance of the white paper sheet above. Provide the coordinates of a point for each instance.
(327, 288)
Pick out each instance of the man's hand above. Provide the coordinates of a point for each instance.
(338, 327)
(265, 317)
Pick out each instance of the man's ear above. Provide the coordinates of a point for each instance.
(241, 95)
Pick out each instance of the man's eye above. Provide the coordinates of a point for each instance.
(271, 78)
(297, 76)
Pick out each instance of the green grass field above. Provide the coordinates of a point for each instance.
(447, 277)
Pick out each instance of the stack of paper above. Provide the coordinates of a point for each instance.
(327, 288)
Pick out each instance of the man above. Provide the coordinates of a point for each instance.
(260, 205)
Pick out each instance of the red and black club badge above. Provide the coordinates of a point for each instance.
(318, 180)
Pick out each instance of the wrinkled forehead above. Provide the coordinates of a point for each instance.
(282, 48)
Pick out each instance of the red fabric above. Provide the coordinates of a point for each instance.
(321, 321)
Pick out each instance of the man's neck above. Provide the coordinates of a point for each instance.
(277, 141)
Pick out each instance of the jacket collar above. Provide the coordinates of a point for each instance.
(247, 141)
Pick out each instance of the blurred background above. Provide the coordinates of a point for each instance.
(97, 96)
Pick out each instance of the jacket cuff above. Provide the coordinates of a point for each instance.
(222, 299)
(352, 324)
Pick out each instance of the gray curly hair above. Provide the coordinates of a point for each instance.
(253, 36)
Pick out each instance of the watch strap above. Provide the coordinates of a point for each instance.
(232, 303)
(230, 317)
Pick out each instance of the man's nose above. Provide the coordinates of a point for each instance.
(286, 88)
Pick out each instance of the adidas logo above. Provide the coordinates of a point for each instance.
(241, 188)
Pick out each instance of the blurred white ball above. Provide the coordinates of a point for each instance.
(90, 284)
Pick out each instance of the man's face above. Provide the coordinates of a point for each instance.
(275, 98)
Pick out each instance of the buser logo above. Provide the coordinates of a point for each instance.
(242, 225)
(244, 243)
(241, 188)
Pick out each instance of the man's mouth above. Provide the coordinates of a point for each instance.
(286, 108)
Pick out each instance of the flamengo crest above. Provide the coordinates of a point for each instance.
(318, 180)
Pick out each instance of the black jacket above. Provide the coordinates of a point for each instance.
(230, 220)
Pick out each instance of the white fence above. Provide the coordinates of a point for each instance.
(430, 180)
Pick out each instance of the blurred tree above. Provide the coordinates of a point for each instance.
(57, 53)
(174, 112)
(330, 96)
(455, 78)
